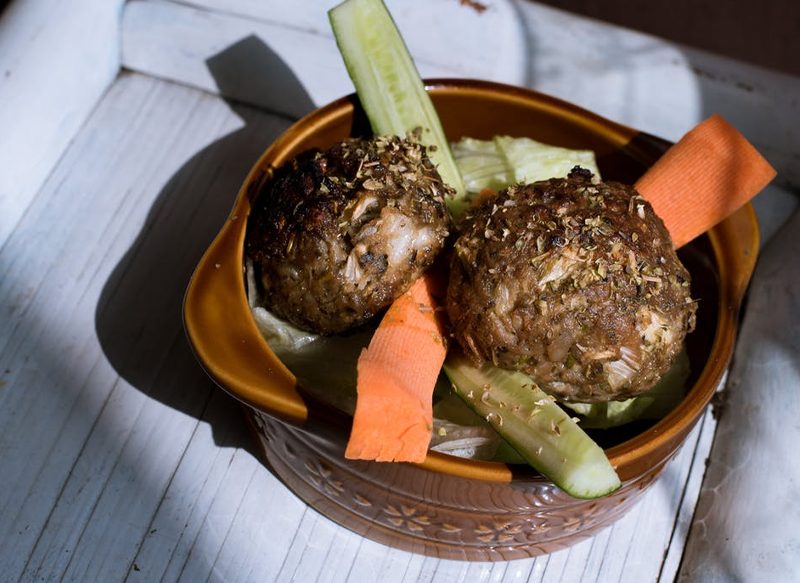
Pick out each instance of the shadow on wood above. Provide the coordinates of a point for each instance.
(139, 314)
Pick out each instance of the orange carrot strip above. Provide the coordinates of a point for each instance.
(711, 172)
(483, 196)
(396, 377)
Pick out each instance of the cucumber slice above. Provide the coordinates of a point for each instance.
(389, 86)
(534, 425)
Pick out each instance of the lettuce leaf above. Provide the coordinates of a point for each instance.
(503, 161)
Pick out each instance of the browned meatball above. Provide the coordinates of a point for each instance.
(337, 235)
(574, 282)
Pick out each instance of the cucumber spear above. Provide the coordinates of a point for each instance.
(389, 86)
(535, 426)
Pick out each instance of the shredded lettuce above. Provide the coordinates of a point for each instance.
(654, 404)
(503, 161)
(469, 441)
(532, 161)
(324, 366)
(282, 337)
(481, 165)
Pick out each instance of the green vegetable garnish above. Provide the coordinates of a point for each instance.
(389, 86)
(535, 426)
(653, 404)
(503, 161)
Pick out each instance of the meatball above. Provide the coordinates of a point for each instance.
(336, 235)
(574, 282)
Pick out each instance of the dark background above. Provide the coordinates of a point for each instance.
(764, 32)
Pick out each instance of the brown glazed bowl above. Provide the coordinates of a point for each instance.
(446, 506)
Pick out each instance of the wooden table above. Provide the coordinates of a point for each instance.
(119, 158)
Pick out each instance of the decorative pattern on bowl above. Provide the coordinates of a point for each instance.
(435, 513)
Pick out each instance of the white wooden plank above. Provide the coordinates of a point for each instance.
(266, 509)
(582, 562)
(199, 480)
(79, 502)
(660, 87)
(56, 59)
(177, 42)
(551, 567)
(339, 557)
(688, 502)
(51, 332)
(629, 77)
(456, 27)
(761, 103)
(320, 551)
(202, 561)
(396, 565)
(414, 569)
(663, 516)
(745, 526)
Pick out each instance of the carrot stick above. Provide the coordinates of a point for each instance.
(711, 172)
(396, 377)
(484, 195)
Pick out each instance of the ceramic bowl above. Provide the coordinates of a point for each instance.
(446, 506)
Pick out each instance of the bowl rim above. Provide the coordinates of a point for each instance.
(735, 264)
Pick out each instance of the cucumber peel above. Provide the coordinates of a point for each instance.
(389, 86)
(535, 426)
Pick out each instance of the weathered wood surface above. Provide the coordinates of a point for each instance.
(179, 42)
(746, 524)
(120, 460)
(632, 78)
(56, 59)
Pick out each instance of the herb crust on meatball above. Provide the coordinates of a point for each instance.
(573, 281)
(336, 235)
